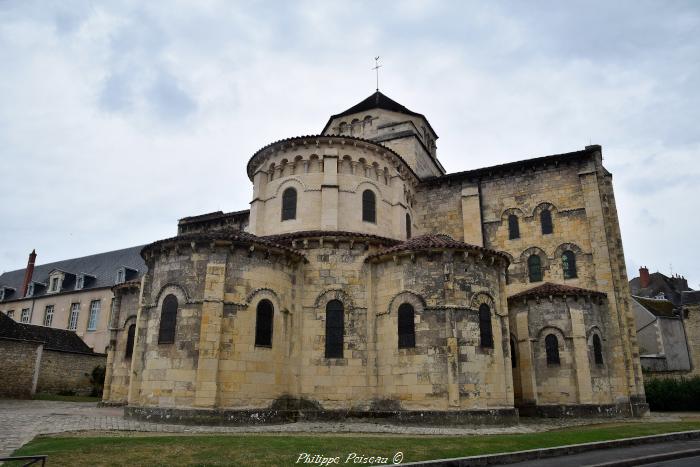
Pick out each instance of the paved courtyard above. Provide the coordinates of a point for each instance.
(22, 420)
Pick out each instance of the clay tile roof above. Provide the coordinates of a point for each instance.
(433, 241)
(287, 238)
(657, 307)
(548, 289)
(52, 338)
(236, 236)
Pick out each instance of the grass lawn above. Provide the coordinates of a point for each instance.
(272, 450)
(54, 397)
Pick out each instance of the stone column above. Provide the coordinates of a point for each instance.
(106, 392)
(137, 363)
(210, 335)
(256, 217)
(329, 191)
(526, 366)
(581, 361)
(471, 214)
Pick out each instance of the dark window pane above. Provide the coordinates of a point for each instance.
(568, 262)
(408, 226)
(513, 355)
(407, 327)
(263, 323)
(168, 320)
(334, 329)
(369, 206)
(513, 227)
(534, 268)
(551, 345)
(485, 332)
(597, 349)
(289, 204)
(130, 341)
(546, 221)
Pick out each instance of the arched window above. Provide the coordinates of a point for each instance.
(597, 350)
(168, 320)
(130, 334)
(534, 268)
(263, 323)
(513, 355)
(408, 226)
(513, 227)
(546, 221)
(369, 206)
(551, 345)
(289, 204)
(568, 263)
(485, 331)
(407, 327)
(334, 329)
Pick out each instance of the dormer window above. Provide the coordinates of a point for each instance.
(56, 279)
(125, 273)
(30, 290)
(83, 280)
(5, 292)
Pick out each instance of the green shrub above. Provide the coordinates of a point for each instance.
(97, 381)
(673, 394)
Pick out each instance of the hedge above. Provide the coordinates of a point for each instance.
(673, 394)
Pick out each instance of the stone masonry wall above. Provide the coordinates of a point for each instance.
(63, 371)
(17, 361)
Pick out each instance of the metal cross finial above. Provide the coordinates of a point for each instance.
(377, 66)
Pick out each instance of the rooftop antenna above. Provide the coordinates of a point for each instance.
(377, 66)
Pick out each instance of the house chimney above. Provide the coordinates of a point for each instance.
(643, 277)
(28, 272)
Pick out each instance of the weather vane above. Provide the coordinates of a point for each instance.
(377, 66)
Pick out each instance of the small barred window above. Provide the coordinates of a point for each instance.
(551, 344)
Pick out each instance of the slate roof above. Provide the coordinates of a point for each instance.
(52, 338)
(102, 266)
(690, 297)
(535, 162)
(378, 101)
(212, 215)
(671, 287)
(549, 289)
(431, 242)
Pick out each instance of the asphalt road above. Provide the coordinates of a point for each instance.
(604, 456)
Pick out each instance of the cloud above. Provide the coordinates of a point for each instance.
(118, 118)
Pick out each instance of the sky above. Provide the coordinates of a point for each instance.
(119, 118)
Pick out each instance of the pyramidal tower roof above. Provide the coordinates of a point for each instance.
(378, 100)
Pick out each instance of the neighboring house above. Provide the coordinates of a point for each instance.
(659, 286)
(365, 280)
(42, 359)
(663, 345)
(73, 294)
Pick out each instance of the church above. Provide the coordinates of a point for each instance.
(365, 281)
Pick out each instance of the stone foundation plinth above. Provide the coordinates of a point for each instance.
(505, 416)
